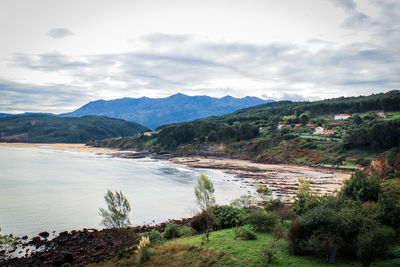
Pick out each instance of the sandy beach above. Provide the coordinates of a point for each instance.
(282, 179)
(68, 147)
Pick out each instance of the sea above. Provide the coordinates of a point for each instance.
(44, 189)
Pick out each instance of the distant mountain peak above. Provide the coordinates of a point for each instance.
(154, 112)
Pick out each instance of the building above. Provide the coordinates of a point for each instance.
(319, 130)
(381, 114)
(282, 125)
(323, 131)
(149, 133)
(342, 116)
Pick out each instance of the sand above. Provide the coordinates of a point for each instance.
(67, 147)
(282, 179)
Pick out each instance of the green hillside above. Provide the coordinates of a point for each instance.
(51, 129)
(253, 133)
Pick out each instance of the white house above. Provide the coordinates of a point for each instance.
(322, 130)
(319, 130)
(149, 133)
(342, 116)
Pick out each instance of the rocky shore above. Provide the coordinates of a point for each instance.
(80, 248)
(282, 179)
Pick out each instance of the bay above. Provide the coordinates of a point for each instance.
(56, 190)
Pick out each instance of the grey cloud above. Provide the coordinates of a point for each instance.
(59, 33)
(348, 5)
(45, 62)
(185, 64)
(18, 97)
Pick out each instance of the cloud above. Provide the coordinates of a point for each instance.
(59, 33)
(168, 63)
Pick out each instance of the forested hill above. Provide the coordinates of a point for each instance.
(253, 133)
(153, 112)
(51, 129)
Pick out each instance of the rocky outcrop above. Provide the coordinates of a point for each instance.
(81, 247)
(388, 164)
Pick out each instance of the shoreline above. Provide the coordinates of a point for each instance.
(281, 178)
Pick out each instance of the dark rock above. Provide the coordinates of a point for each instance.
(44, 234)
(61, 258)
(65, 233)
(25, 237)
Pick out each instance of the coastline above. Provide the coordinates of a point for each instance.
(281, 178)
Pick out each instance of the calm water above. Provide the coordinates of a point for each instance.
(43, 189)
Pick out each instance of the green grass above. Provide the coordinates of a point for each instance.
(249, 253)
(392, 115)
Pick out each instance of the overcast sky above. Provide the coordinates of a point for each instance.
(56, 55)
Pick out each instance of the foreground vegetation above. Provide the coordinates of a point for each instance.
(358, 226)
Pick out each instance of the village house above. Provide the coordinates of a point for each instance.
(149, 133)
(381, 114)
(323, 131)
(342, 116)
(282, 125)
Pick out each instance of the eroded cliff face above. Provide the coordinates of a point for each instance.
(388, 164)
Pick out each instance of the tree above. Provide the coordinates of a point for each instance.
(204, 191)
(118, 209)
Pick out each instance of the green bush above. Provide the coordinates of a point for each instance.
(199, 222)
(227, 217)
(261, 221)
(154, 236)
(361, 187)
(318, 225)
(186, 231)
(143, 256)
(374, 243)
(244, 233)
(171, 231)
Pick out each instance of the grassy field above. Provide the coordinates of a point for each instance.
(249, 253)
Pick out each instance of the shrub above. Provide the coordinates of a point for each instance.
(199, 222)
(267, 255)
(171, 231)
(154, 236)
(144, 256)
(226, 217)
(361, 187)
(314, 226)
(374, 243)
(244, 234)
(261, 221)
(244, 201)
(274, 204)
(186, 231)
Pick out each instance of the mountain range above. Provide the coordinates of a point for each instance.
(154, 112)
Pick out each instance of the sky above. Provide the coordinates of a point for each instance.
(57, 55)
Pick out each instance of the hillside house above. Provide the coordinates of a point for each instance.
(311, 125)
(280, 126)
(342, 116)
(381, 114)
(323, 131)
(149, 133)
